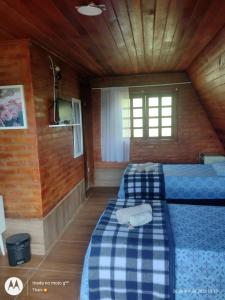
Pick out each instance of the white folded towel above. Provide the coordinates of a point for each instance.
(146, 167)
(140, 219)
(123, 215)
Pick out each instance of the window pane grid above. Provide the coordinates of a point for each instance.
(152, 116)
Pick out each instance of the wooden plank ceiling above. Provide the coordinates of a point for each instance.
(208, 75)
(130, 37)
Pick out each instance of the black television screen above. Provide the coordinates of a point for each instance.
(64, 112)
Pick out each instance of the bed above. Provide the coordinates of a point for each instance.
(199, 236)
(190, 181)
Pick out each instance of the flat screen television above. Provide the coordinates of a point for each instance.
(62, 112)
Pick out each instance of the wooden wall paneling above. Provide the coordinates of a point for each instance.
(211, 23)
(137, 80)
(104, 44)
(113, 24)
(121, 12)
(134, 8)
(108, 177)
(99, 33)
(87, 39)
(70, 36)
(212, 54)
(214, 81)
(148, 17)
(183, 14)
(199, 12)
(170, 28)
(47, 29)
(174, 28)
(210, 58)
(4, 35)
(130, 37)
(208, 75)
(26, 29)
(161, 15)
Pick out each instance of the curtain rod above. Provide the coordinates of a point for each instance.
(146, 85)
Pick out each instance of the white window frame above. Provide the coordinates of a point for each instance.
(77, 125)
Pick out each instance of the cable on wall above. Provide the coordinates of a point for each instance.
(56, 73)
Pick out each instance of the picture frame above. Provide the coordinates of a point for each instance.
(12, 107)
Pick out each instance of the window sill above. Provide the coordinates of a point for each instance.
(155, 140)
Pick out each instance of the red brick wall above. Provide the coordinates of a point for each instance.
(37, 167)
(19, 172)
(208, 75)
(195, 133)
(59, 171)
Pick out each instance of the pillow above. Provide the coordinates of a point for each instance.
(219, 168)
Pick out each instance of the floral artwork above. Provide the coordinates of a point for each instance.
(12, 107)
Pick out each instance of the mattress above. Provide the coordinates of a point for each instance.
(190, 181)
(199, 236)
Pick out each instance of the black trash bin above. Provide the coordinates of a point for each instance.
(18, 248)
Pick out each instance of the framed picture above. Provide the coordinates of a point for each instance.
(12, 107)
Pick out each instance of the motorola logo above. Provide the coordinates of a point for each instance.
(13, 286)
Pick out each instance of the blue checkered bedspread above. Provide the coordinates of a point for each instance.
(132, 264)
(189, 181)
(144, 184)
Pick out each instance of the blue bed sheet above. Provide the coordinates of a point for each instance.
(190, 181)
(199, 236)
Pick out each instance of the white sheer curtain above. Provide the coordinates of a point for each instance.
(115, 143)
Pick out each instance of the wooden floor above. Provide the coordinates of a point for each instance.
(63, 264)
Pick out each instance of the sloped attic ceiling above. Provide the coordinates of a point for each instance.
(208, 75)
(130, 37)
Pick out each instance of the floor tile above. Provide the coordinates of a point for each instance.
(79, 231)
(6, 273)
(64, 263)
(65, 256)
(89, 215)
(33, 263)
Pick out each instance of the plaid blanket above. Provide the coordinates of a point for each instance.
(145, 184)
(133, 264)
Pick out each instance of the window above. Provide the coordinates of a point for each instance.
(153, 116)
(77, 128)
